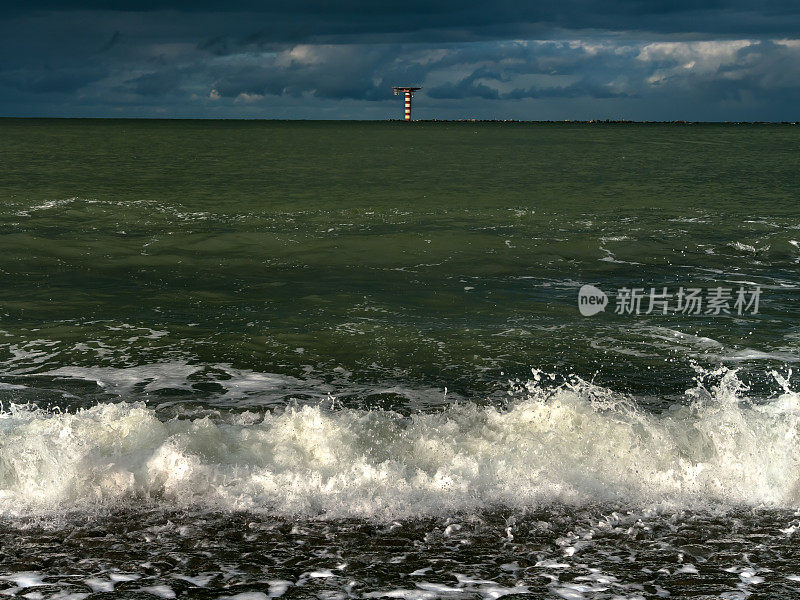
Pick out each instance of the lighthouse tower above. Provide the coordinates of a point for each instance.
(408, 92)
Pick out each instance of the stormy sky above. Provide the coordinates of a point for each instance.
(313, 59)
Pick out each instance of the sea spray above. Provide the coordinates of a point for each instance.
(567, 441)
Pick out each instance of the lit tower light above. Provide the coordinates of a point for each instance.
(408, 92)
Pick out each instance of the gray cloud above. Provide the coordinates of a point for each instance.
(573, 59)
(305, 20)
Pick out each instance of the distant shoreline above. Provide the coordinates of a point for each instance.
(503, 121)
(600, 122)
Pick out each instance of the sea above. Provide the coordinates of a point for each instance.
(460, 360)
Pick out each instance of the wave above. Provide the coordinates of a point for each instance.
(574, 443)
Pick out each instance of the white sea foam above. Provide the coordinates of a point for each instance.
(577, 443)
(45, 206)
(162, 591)
(172, 375)
(743, 247)
(243, 382)
(175, 375)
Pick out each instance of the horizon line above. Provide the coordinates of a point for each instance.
(395, 120)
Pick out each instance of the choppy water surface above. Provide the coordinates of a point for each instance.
(337, 360)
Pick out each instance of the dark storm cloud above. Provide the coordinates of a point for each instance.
(470, 19)
(51, 80)
(111, 42)
(659, 59)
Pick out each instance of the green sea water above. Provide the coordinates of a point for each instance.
(346, 360)
(435, 253)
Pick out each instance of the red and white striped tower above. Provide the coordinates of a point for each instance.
(408, 92)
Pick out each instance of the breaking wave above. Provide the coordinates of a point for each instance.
(574, 443)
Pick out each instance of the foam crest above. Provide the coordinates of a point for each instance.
(575, 443)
